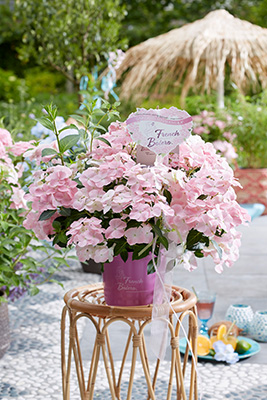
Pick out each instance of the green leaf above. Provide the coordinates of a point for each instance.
(52, 270)
(46, 215)
(48, 152)
(55, 281)
(150, 267)
(29, 262)
(124, 255)
(7, 242)
(33, 290)
(62, 238)
(15, 280)
(119, 247)
(98, 112)
(5, 225)
(71, 126)
(157, 230)
(56, 225)
(138, 254)
(5, 268)
(168, 195)
(67, 142)
(61, 260)
(73, 258)
(199, 254)
(66, 212)
(202, 197)
(193, 238)
(103, 140)
(46, 123)
(164, 242)
(78, 118)
(133, 224)
(26, 239)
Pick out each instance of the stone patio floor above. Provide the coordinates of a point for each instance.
(31, 369)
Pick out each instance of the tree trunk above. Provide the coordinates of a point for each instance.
(220, 89)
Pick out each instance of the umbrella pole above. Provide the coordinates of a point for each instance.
(220, 89)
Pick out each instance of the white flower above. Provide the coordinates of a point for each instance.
(225, 352)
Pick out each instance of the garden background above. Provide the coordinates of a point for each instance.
(47, 47)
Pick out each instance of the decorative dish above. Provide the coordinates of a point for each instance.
(255, 348)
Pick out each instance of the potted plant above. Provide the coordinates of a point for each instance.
(92, 193)
(249, 126)
(20, 270)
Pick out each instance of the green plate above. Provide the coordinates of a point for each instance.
(255, 348)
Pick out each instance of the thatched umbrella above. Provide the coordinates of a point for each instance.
(195, 55)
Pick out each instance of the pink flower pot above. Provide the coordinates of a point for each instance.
(127, 283)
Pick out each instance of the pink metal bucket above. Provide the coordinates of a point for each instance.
(127, 283)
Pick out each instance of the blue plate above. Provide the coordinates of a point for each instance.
(255, 348)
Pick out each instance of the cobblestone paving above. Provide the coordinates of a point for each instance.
(31, 368)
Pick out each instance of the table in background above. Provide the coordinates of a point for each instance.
(88, 302)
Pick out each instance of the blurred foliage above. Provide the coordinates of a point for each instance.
(146, 19)
(250, 122)
(69, 36)
(194, 103)
(10, 38)
(11, 87)
(16, 119)
(75, 36)
(19, 117)
(39, 80)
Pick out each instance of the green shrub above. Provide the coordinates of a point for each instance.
(40, 80)
(11, 87)
(19, 117)
(193, 104)
(250, 126)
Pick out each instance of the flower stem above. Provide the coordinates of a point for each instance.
(145, 248)
(92, 134)
(58, 142)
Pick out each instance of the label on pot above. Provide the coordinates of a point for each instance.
(127, 283)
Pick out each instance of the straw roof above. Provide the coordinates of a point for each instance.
(195, 55)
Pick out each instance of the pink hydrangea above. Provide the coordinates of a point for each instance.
(35, 153)
(226, 149)
(42, 229)
(142, 234)
(5, 138)
(86, 232)
(20, 148)
(18, 198)
(52, 188)
(4, 155)
(114, 197)
(116, 229)
(99, 253)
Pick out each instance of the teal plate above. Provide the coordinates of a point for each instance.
(255, 348)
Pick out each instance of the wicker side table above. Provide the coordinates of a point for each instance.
(88, 302)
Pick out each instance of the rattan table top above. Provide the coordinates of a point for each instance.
(90, 299)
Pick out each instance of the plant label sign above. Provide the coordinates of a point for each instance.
(158, 131)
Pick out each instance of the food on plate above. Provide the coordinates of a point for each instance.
(242, 346)
(203, 345)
